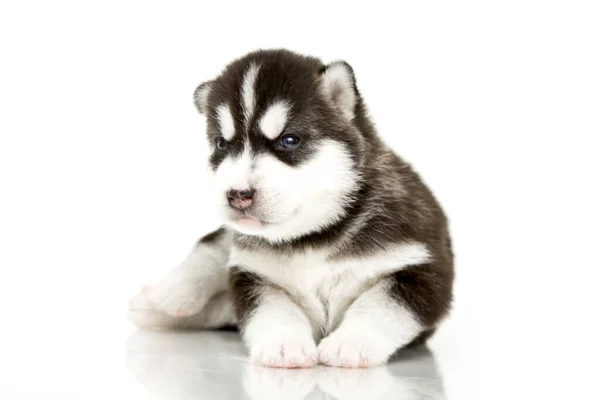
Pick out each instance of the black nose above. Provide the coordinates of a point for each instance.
(240, 199)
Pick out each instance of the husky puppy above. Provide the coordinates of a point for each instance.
(332, 250)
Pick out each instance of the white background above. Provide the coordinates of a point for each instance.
(497, 104)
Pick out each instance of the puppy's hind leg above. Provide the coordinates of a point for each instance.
(188, 288)
(218, 313)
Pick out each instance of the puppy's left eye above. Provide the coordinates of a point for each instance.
(289, 142)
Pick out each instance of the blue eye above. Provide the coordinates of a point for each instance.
(222, 144)
(289, 142)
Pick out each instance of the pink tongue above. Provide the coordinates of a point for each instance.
(250, 223)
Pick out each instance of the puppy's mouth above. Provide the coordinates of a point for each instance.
(255, 219)
(247, 219)
(249, 222)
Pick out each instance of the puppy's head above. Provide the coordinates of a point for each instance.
(284, 148)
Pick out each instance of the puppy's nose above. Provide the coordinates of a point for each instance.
(240, 199)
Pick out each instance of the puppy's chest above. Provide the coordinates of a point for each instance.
(324, 288)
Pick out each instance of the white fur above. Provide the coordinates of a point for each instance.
(292, 201)
(184, 291)
(218, 312)
(374, 326)
(187, 289)
(325, 288)
(338, 86)
(234, 173)
(226, 123)
(248, 96)
(201, 97)
(338, 297)
(279, 334)
(274, 119)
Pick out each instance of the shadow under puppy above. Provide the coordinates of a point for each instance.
(332, 248)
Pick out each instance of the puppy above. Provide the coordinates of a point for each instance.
(332, 250)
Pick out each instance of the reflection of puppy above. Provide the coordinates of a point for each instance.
(415, 377)
(200, 365)
(187, 365)
(328, 233)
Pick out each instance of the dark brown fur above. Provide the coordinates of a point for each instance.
(243, 286)
(213, 237)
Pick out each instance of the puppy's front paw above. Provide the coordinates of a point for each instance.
(291, 350)
(347, 349)
(175, 298)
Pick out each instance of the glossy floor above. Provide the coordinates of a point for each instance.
(99, 356)
(213, 365)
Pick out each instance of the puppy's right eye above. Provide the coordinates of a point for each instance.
(222, 144)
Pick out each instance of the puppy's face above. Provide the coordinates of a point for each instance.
(284, 150)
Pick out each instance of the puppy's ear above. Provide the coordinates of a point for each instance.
(339, 86)
(201, 96)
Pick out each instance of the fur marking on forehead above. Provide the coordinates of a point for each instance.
(248, 95)
(226, 122)
(274, 119)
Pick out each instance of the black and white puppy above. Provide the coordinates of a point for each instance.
(332, 249)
